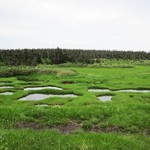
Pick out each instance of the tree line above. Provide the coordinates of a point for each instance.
(57, 56)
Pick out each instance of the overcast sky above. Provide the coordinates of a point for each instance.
(87, 24)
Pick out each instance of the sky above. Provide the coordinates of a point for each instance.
(84, 24)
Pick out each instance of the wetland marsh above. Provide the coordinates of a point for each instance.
(50, 108)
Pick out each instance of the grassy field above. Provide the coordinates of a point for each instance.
(80, 123)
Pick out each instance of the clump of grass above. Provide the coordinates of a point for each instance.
(58, 92)
(21, 70)
(66, 73)
(10, 72)
(87, 125)
(27, 78)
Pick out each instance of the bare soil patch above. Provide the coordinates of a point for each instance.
(107, 129)
(72, 126)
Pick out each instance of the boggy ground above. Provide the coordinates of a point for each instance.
(82, 122)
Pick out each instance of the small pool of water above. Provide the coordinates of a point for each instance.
(6, 87)
(42, 105)
(134, 91)
(6, 93)
(63, 96)
(99, 90)
(43, 96)
(105, 98)
(127, 90)
(34, 97)
(41, 88)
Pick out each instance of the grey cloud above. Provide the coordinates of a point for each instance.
(96, 24)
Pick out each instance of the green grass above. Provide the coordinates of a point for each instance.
(28, 140)
(122, 123)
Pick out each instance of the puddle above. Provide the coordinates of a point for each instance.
(42, 105)
(6, 93)
(6, 87)
(42, 88)
(105, 98)
(43, 96)
(127, 90)
(99, 90)
(63, 96)
(134, 91)
(34, 97)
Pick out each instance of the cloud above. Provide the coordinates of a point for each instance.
(99, 24)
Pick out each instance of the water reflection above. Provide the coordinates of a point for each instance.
(41, 88)
(44, 96)
(105, 98)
